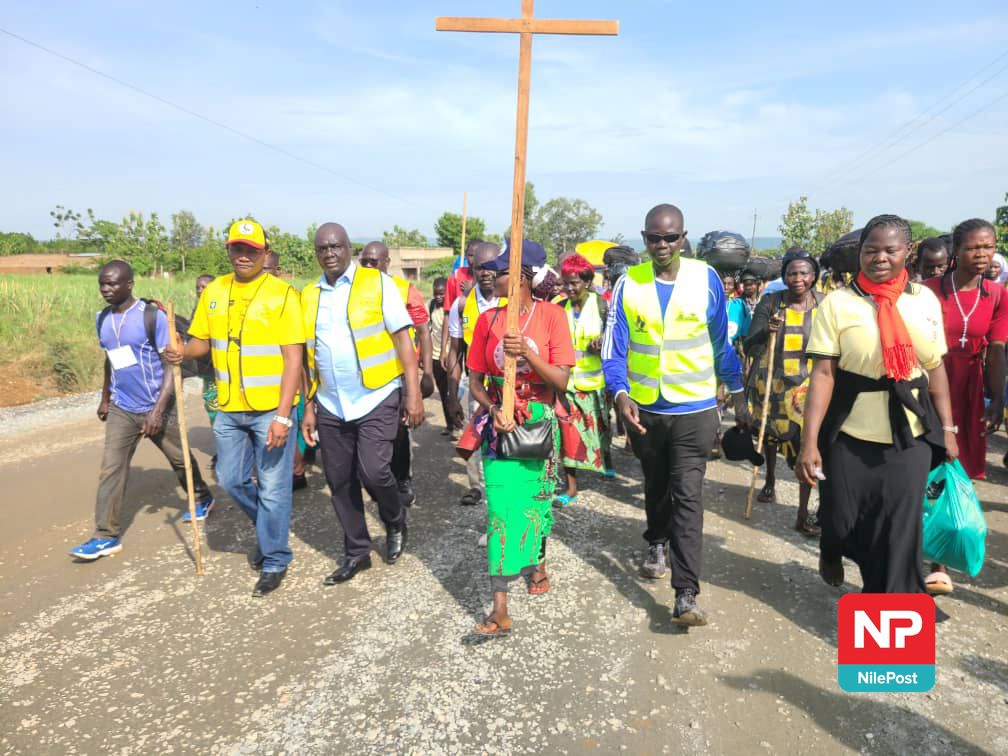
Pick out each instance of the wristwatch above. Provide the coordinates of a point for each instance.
(285, 421)
(950, 428)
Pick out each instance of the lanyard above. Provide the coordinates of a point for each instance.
(117, 331)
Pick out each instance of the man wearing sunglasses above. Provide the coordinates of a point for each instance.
(666, 347)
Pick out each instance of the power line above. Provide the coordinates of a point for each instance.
(930, 139)
(200, 116)
(904, 130)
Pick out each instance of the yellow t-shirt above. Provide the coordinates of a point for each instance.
(845, 327)
(224, 304)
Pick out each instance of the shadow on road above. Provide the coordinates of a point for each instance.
(847, 718)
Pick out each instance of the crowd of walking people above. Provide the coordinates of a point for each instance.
(848, 375)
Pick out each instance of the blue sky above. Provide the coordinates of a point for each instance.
(721, 108)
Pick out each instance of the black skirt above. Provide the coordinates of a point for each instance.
(871, 510)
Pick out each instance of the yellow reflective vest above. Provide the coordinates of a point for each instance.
(471, 313)
(671, 355)
(260, 361)
(373, 344)
(403, 285)
(587, 374)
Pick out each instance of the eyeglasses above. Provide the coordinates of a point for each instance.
(369, 262)
(667, 238)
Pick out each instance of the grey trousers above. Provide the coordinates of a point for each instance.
(122, 436)
(474, 465)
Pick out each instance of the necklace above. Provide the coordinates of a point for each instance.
(965, 316)
(122, 319)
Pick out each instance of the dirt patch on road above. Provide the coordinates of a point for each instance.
(17, 389)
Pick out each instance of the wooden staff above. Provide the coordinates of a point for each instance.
(177, 375)
(763, 420)
(462, 245)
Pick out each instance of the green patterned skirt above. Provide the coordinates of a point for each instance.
(519, 496)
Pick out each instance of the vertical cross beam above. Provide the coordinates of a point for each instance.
(525, 27)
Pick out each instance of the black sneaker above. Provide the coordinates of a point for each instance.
(686, 611)
(656, 563)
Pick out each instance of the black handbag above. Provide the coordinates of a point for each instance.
(531, 440)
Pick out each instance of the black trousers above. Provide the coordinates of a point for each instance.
(870, 511)
(361, 450)
(673, 456)
(402, 455)
(448, 402)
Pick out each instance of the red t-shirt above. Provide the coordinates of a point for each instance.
(454, 286)
(546, 332)
(988, 321)
(416, 307)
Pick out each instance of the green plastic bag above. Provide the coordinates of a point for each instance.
(954, 525)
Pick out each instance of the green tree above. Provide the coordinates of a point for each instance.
(562, 223)
(448, 230)
(531, 201)
(186, 235)
(68, 223)
(1001, 224)
(797, 225)
(830, 226)
(439, 267)
(16, 243)
(401, 237)
(921, 230)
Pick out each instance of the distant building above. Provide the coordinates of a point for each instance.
(409, 262)
(44, 263)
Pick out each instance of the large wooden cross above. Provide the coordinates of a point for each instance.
(525, 27)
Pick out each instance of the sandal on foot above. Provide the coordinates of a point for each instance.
(493, 629)
(563, 500)
(471, 497)
(938, 584)
(809, 526)
(767, 495)
(609, 473)
(540, 586)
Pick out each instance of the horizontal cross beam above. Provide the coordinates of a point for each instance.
(526, 25)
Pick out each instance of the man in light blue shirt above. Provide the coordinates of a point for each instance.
(357, 425)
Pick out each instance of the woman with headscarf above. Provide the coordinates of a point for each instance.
(877, 415)
(789, 314)
(519, 491)
(586, 399)
(975, 313)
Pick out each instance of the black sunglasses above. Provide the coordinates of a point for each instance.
(369, 263)
(658, 238)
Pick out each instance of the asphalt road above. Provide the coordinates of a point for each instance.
(136, 654)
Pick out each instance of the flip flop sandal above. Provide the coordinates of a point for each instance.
(563, 500)
(938, 584)
(496, 632)
(540, 586)
(609, 473)
(471, 497)
(767, 495)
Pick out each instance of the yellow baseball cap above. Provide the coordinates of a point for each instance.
(247, 232)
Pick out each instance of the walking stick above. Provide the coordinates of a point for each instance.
(763, 420)
(177, 375)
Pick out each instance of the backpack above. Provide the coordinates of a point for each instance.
(191, 368)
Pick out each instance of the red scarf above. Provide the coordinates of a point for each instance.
(898, 354)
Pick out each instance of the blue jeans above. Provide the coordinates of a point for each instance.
(241, 452)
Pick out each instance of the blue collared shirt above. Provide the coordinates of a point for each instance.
(616, 341)
(340, 390)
